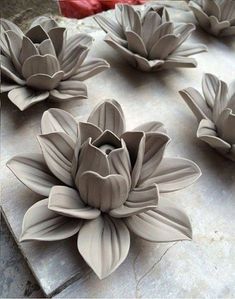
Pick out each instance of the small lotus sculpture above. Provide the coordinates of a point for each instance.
(217, 17)
(215, 112)
(45, 62)
(149, 41)
(102, 182)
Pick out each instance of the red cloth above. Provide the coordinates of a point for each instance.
(84, 8)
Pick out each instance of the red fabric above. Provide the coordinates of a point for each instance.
(84, 8)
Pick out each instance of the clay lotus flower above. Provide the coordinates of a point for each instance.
(215, 17)
(45, 62)
(149, 41)
(215, 112)
(101, 183)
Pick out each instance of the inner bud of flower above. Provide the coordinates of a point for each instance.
(106, 148)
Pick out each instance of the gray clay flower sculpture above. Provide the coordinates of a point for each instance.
(101, 182)
(45, 62)
(149, 41)
(217, 17)
(215, 112)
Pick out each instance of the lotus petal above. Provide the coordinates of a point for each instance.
(136, 44)
(67, 202)
(104, 244)
(69, 90)
(184, 30)
(112, 190)
(211, 8)
(57, 37)
(107, 116)
(163, 30)
(33, 172)
(147, 65)
(221, 100)
(73, 58)
(7, 86)
(37, 64)
(8, 70)
(167, 223)
(58, 120)
(119, 162)
(131, 19)
(24, 97)
(125, 53)
(152, 126)
(151, 21)
(163, 47)
(42, 224)
(37, 34)
(190, 49)
(28, 49)
(155, 144)
(174, 174)
(45, 82)
(46, 47)
(93, 159)
(210, 88)
(139, 200)
(206, 133)
(14, 42)
(226, 125)
(57, 149)
(8, 25)
(227, 10)
(90, 68)
(88, 130)
(196, 103)
(201, 17)
(173, 61)
(108, 25)
(46, 23)
(75, 158)
(229, 31)
(216, 26)
(231, 96)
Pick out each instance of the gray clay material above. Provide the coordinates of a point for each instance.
(217, 17)
(101, 182)
(215, 113)
(148, 39)
(45, 63)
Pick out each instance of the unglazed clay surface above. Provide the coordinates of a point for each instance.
(215, 113)
(167, 270)
(148, 39)
(102, 182)
(45, 62)
(217, 17)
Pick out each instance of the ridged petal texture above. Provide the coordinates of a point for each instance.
(102, 182)
(104, 244)
(215, 17)
(46, 61)
(149, 41)
(215, 112)
(42, 224)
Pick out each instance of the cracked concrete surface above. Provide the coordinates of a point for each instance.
(16, 279)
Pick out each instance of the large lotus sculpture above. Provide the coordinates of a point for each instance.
(45, 62)
(217, 17)
(215, 112)
(149, 41)
(102, 182)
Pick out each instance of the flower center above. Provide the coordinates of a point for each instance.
(106, 148)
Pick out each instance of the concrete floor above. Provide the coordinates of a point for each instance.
(16, 279)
